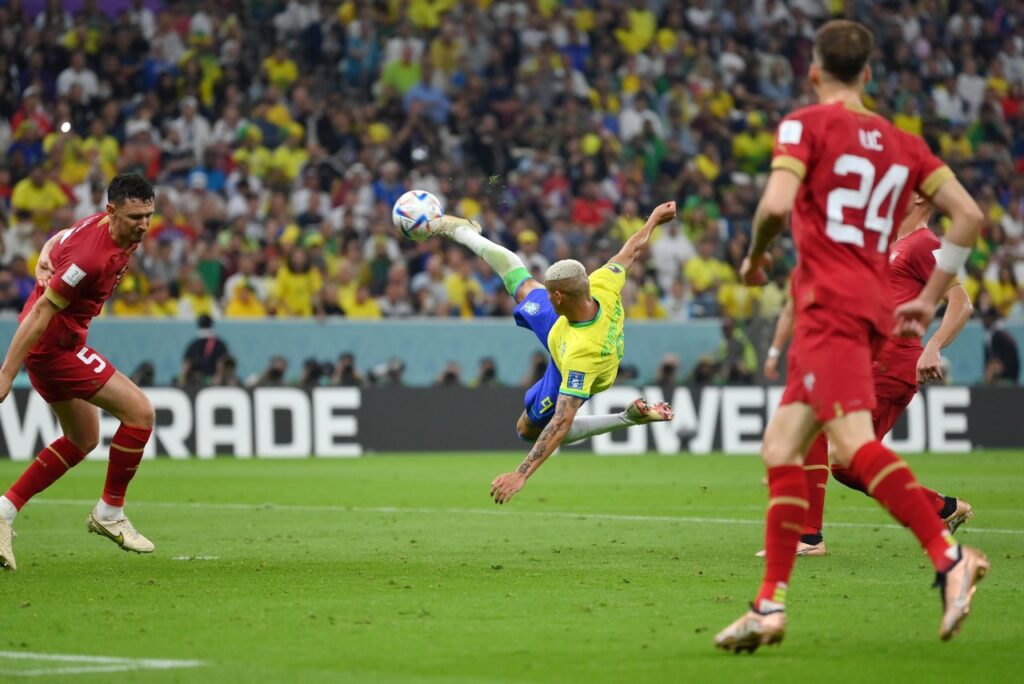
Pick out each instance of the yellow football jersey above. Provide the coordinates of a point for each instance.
(588, 354)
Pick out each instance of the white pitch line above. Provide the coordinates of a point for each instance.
(88, 664)
(328, 508)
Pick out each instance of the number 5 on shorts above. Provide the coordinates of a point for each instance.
(88, 357)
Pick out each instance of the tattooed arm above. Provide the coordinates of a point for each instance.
(505, 486)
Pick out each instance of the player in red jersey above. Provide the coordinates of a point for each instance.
(899, 368)
(844, 173)
(79, 269)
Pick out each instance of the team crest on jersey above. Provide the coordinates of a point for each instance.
(73, 275)
(575, 380)
(531, 308)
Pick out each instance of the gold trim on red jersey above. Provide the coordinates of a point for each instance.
(930, 185)
(790, 164)
(55, 298)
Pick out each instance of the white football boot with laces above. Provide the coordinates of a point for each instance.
(642, 413)
(7, 535)
(446, 225)
(119, 531)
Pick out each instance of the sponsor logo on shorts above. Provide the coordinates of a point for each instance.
(809, 382)
(73, 275)
(531, 308)
(575, 380)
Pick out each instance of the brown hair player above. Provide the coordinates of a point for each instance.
(844, 173)
(78, 270)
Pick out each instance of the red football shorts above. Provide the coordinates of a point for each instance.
(830, 363)
(894, 396)
(62, 374)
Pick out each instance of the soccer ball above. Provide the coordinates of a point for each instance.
(413, 211)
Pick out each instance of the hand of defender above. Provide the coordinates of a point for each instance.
(663, 213)
(755, 272)
(929, 366)
(44, 269)
(912, 318)
(505, 486)
(771, 368)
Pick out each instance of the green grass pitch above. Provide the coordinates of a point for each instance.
(398, 568)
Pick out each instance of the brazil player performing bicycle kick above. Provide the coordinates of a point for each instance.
(579, 321)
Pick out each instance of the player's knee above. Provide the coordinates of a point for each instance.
(143, 414)
(778, 453)
(84, 441)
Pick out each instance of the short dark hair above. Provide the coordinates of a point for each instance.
(128, 186)
(843, 48)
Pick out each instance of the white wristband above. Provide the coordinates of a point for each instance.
(951, 257)
(773, 352)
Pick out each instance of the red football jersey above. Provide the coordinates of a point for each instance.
(87, 264)
(911, 262)
(858, 172)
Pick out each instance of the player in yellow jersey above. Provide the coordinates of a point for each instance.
(579, 320)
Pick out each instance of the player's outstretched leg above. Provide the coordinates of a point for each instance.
(127, 402)
(49, 465)
(505, 263)
(637, 413)
(958, 568)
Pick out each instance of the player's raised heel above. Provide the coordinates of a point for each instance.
(957, 586)
(7, 535)
(446, 225)
(753, 630)
(961, 515)
(121, 532)
(803, 549)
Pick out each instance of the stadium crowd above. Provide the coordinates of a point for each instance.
(280, 133)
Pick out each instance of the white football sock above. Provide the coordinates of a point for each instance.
(7, 510)
(504, 262)
(588, 426)
(105, 511)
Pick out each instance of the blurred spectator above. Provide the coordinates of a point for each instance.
(1002, 357)
(345, 373)
(11, 301)
(271, 376)
(388, 374)
(226, 374)
(736, 360)
(203, 353)
(487, 374)
(667, 375)
(144, 375)
(450, 376)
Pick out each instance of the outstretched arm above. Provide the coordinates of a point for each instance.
(663, 213)
(505, 486)
(28, 333)
(769, 220)
(783, 331)
(958, 312)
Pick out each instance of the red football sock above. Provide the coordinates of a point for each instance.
(938, 501)
(787, 509)
(125, 454)
(844, 476)
(816, 472)
(52, 462)
(890, 481)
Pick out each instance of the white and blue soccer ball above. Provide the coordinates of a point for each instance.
(413, 211)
